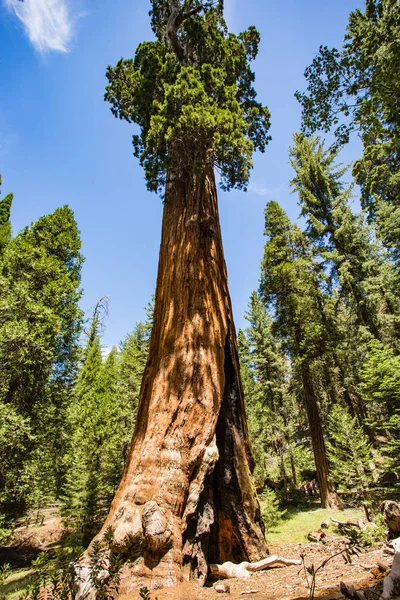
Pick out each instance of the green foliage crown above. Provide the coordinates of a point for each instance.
(190, 91)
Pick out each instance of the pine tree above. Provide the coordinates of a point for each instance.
(101, 419)
(271, 412)
(349, 450)
(291, 286)
(132, 361)
(15, 439)
(86, 420)
(5, 225)
(357, 88)
(258, 412)
(117, 425)
(39, 328)
(362, 280)
(380, 381)
(342, 240)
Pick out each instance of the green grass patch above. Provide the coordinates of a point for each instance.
(15, 584)
(299, 521)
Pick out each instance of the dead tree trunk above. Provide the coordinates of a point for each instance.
(186, 498)
(328, 494)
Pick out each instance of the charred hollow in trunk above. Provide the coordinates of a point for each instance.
(186, 497)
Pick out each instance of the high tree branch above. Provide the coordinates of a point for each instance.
(176, 17)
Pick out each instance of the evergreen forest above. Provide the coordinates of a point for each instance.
(320, 353)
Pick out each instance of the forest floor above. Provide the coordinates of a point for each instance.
(288, 539)
(289, 583)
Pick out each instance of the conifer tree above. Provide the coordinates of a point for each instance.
(356, 88)
(132, 361)
(190, 91)
(343, 241)
(5, 225)
(96, 458)
(258, 412)
(85, 414)
(100, 420)
(39, 328)
(349, 450)
(290, 284)
(272, 414)
(380, 381)
(362, 280)
(118, 422)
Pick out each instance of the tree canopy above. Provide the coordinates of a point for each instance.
(5, 226)
(357, 88)
(190, 91)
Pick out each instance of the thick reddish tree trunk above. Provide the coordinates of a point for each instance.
(187, 498)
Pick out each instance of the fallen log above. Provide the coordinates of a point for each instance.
(245, 569)
(346, 523)
(316, 536)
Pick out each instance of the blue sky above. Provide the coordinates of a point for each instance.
(60, 144)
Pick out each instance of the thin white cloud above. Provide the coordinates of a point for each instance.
(263, 190)
(48, 23)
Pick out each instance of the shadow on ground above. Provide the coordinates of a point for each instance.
(19, 557)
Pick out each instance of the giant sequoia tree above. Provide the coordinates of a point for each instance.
(186, 497)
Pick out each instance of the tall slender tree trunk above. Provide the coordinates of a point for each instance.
(186, 498)
(293, 468)
(328, 494)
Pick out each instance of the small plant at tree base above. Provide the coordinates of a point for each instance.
(6, 530)
(105, 568)
(312, 570)
(368, 536)
(4, 572)
(55, 575)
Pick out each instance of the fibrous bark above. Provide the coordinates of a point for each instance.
(391, 514)
(327, 490)
(186, 498)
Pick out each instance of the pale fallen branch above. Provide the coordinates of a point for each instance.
(245, 569)
(347, 523)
